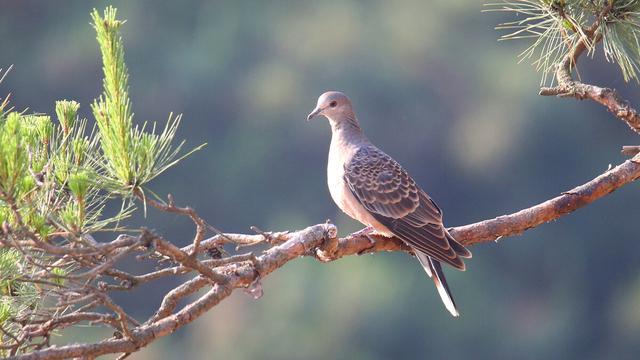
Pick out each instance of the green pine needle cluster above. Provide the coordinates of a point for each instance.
(13, 158)
(132, 156)
(554, 27)
(621, 37)
(18, 299)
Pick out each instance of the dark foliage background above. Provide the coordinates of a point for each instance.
(432, 87)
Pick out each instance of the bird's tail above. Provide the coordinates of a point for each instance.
(434, 270)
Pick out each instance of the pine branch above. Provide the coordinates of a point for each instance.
(569, 87)
(133, 156)
(557, 26)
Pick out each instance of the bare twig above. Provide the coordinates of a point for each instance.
(604, 96)
(272, 238)
(630, 150)
(201, 225)
(168, 249)
(170, 301)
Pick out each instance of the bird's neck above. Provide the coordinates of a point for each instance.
(346, 139)
(347, 127)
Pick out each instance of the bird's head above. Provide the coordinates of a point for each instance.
(334, 105)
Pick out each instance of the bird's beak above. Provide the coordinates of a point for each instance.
(315, 112)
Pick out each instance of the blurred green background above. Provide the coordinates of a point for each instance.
(434, 89)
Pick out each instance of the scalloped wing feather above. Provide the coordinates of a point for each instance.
(387, 191)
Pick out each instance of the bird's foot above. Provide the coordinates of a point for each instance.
(369, 230)
(370, 238)
(370, 233)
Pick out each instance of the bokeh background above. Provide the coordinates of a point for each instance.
(434, 89)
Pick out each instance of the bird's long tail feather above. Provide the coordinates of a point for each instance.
(434, 270)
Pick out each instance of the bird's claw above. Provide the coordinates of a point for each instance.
(364, 232)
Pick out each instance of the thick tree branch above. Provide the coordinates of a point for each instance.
(320, 241)
(552, 209)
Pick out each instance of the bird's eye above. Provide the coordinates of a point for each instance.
(333, 104)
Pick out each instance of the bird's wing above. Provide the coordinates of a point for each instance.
(387, 191)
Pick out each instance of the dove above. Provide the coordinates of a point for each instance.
(371, 187)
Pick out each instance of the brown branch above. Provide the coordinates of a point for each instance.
(602, 95)
(549, 210)
(166, 248)
(273, 238)
(630, 150)
(201, 225)
(320, 241)
(59, 322)
(170, 301)
(99, 249)
(121, 316)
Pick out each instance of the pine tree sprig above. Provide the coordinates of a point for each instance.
(555, 27)
(132, 156)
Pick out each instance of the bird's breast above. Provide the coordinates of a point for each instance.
(338, 188)
(342, 195)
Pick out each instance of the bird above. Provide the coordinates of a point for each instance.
(374, 189)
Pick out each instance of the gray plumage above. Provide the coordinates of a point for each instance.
(371, 187)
